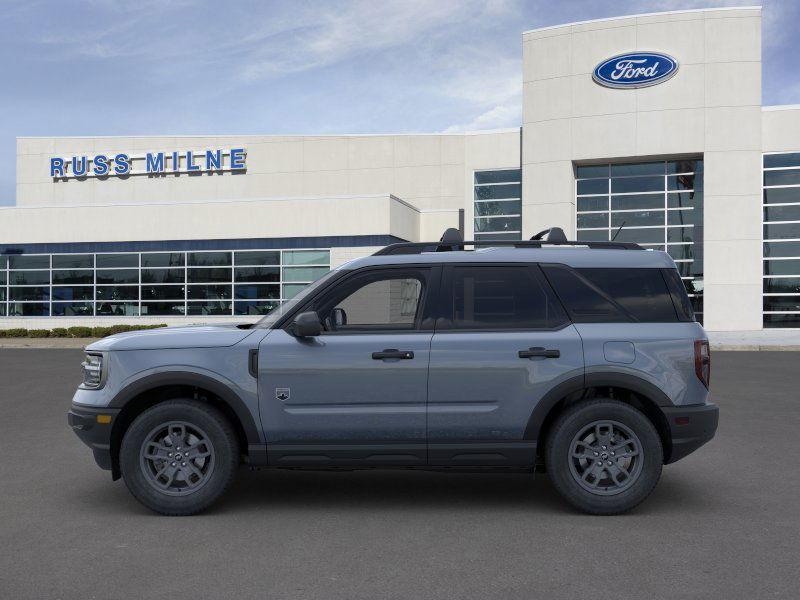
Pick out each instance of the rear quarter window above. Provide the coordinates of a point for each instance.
(605, 295)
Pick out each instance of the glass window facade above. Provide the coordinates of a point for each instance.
(498, 204)
(657, 204)
(781, 245)
(129, 284)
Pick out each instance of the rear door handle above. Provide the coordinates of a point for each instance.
(393, 353)
(539, 352)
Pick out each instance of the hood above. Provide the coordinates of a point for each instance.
(200, 336)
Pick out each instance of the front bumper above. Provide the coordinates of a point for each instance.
(690, 427)
(95, 434)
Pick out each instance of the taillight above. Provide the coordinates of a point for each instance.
(702, 361)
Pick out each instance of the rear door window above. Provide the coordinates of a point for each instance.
(500, 297)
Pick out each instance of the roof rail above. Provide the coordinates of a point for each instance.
(448, 246)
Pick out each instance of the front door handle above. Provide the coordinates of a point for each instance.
(393, 353)
(539, 352)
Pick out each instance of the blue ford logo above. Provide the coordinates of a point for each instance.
(635, 70)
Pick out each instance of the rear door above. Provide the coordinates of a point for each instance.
(501, 343)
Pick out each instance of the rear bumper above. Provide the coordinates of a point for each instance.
(97, 436)
(690, 428)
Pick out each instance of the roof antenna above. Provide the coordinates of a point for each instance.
(618, 230)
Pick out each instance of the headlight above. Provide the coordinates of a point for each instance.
(93, 371)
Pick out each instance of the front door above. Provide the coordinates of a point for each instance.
(356, 394)
(503, 341)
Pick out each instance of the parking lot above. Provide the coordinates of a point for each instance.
(723, 523)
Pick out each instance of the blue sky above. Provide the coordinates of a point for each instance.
(152, 67)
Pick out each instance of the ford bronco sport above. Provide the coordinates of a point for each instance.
(581, 359)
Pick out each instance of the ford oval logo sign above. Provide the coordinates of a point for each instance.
(635, 70)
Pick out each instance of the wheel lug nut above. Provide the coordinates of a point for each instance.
(173, 464)
(184, 464)
(603, 447)
(170, 454)
(599, 463)
(609, 463)
(597, 454)
(612, 453)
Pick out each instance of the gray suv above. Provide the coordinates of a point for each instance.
(581, 359)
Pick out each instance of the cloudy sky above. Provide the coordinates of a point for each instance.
(150, 67)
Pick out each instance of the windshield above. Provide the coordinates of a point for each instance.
(288, 306)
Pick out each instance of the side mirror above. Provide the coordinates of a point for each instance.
(306, 325)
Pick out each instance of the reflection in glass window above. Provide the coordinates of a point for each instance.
(117, 276)
(115, 261)
(163, 259)
(498, 205)
(658, 204)
(29, 293)
(29, 277)
(32, 261)
(84, 292)
(73, 261)
(172, 283)
(28, 309)
(258, 274)
(254, 307)
(73, 309)
(781, 296)
(209, 308)
(163, 276)
(67, 277)
(305, 257)
(257, 257)
(117, 309)
(209, 259)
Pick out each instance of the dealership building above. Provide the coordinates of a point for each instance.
(646, 129)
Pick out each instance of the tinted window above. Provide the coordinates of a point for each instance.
(585, 302)
(163, 259)
(29, 262)
(642, 292)
(677, 290)
(492, 297)
(111, 261)
(73, 261)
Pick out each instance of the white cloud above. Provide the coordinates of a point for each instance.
(498, 117)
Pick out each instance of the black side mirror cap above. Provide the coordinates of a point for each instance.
(306, 324)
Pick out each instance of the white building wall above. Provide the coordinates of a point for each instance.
(711, 107)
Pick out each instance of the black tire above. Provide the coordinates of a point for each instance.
(173, 494)
(573, 472)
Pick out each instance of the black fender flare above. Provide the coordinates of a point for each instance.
(189, 378)
(575, 384)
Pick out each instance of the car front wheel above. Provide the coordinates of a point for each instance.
(604, 456)
(179, 457)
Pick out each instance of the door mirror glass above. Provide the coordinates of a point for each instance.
(306, 324)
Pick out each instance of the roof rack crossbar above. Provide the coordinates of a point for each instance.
(420, 247)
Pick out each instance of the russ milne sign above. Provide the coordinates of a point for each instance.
(151, 163)
(635, 70)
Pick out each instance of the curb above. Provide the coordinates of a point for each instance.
(46, 343)
(754, 348)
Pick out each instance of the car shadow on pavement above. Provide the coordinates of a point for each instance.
(400, 490)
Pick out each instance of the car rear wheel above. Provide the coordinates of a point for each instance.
(604, 456)
(179, 457)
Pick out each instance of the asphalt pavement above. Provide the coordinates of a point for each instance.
(722, 523)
